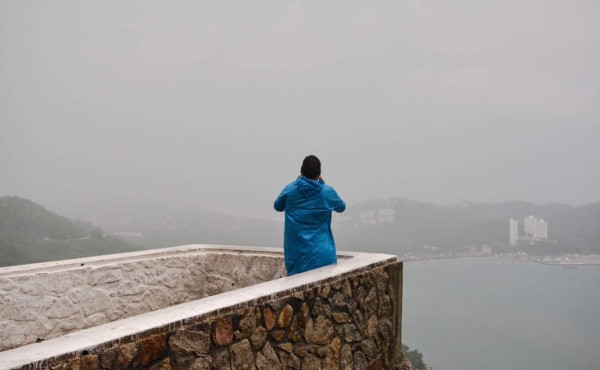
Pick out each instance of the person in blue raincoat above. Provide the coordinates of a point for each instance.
(308, 203)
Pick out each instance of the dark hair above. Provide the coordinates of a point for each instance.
(311, 167)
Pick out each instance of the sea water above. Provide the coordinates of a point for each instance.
(500, 313)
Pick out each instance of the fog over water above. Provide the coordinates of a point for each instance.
(497, 313)
(214, 105)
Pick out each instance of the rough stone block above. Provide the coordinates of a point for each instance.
(258, 338)
(277, 304)
(331, 363)
(336, 349)
(243, 358)
(386, 329)
(337, 285)
(324, 290)
(108, 357)
(156, 298)
(200, 364)
(372, 327)
(310, 362)
(267, 359)
(178, 297)
(338, 300)
(351, 334)
(346, 361)
(285, 317)
(163, 365)
(152, 348)
(127, 356)
(89, 362)
(222, 360)
(369, 347)
(130, 288)
(247, 323)
(277, 335)
(359, 295)
(318, 331)
(223, 331)
(97, 300)
(24, 310)
(62, 308)
(171, 278)
(58, 284)
(104, 276)
(71, 323)
(184, 343)
(360, 361)
(287, 347)
(217, 284)
(269, 318)
(76, 294)
(340, 317)
(195, 284)
(40, 328)
(347, 289)
(133, 309)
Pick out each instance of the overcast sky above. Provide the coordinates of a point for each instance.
(215, 104)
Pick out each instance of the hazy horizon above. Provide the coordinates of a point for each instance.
(210, 106)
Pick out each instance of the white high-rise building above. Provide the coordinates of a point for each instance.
(529, 224)
(541, 230)
(514, 232)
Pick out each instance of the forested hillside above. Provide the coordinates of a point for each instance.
(411, 227)
(416, 227)
(30, 233)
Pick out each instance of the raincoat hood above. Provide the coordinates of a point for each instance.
(308, 187)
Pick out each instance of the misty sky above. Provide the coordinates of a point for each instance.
(215, 104)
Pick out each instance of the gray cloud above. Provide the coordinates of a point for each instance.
(216, 105)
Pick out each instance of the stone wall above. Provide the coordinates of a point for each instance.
(39, 304)
(348, 321)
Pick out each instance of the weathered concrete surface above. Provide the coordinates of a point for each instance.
(43, 303)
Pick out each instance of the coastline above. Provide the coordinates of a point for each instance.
(564, 260)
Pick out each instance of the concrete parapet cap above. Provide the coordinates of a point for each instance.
(108, 259)
(173, 316)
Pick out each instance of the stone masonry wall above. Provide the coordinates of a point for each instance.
(351, 321)
(53, 303)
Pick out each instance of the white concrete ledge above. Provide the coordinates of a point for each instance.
(79, 341)
(107, 259)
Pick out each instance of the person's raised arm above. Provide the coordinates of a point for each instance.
(279, 204)
(335, 202)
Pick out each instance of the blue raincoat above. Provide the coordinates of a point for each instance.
(308, 241)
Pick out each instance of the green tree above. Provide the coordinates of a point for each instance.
(415, 357)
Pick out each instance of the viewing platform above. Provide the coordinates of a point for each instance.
(201, 307)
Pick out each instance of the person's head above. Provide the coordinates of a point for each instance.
(311, 167)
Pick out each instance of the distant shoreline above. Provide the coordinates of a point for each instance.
(565, 260)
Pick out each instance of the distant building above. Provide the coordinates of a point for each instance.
(514, 232)
(386, 215)
(541, 230)
(529, 224)
(534, 228)
(367, 218)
